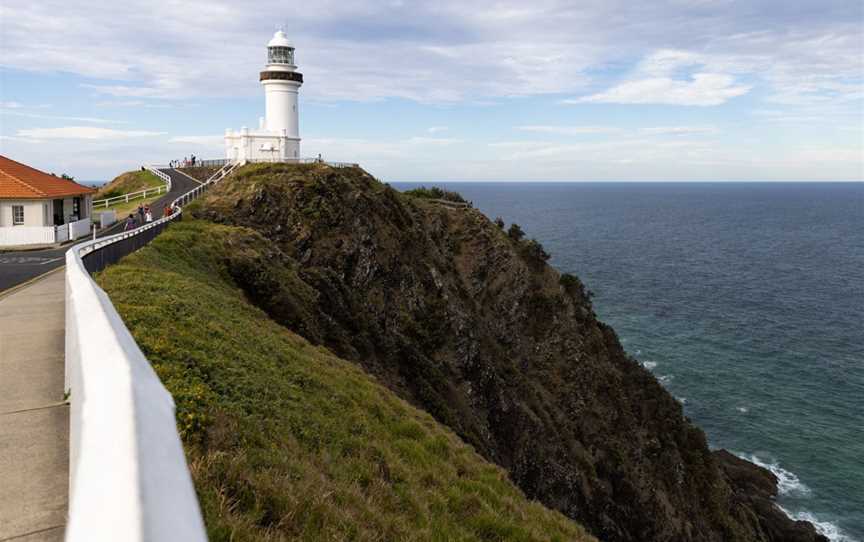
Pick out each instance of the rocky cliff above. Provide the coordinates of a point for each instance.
(467, 321)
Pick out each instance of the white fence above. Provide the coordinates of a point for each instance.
(106, 218)
(77, 229)
(131, 196)
(141, 194)
(299, 161)
(26, 235)
(128, 474)
(39, 235)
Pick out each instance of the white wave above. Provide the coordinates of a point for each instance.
(682, 400)
(826, 528)
(649, 365)
(787, 482)
(638, 352)
(665, 379)
(742, 409)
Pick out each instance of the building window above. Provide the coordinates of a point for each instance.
(17, 215)
(76, 208)
(280, 55)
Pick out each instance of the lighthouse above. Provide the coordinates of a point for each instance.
(277, 138)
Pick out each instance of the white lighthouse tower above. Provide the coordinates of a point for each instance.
(277, 138)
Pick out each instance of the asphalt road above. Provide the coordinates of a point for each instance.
(21, 266)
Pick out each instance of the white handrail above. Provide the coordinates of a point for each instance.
(128, 474)
(134, 195)
(128, 478)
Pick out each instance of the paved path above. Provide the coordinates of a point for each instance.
(17, 267)
(34, 420)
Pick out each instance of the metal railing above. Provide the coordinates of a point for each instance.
(99, 254)
(301, 161)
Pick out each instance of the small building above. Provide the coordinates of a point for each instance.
(277, 138)
(37, 208)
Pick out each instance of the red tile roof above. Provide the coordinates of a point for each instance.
(24, 182)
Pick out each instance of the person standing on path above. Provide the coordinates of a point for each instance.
(140, 213)
(148, 216)
(130, 223)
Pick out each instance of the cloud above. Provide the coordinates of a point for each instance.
(569, 130)
(213, 141)
(94, 120)
(441, 52)
(83, 132)
(680, 130)
(437, 129)
(704, 89)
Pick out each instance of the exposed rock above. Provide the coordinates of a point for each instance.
(469, 323)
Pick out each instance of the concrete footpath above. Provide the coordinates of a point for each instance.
(34, 419)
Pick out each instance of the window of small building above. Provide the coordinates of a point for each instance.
(76, 208)
(17, 215)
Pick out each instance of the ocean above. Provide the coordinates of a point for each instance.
(746, 300)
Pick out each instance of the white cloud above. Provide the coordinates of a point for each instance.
(704, 89)
(437, 129)
(212, 141)
(568, 130)
(83, 132)
(680, 130)
(95, 120)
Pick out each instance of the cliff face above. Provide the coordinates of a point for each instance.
(469, 323)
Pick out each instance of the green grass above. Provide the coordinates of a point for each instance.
(286, 441)
(131, 181)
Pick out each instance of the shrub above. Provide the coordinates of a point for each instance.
(435, 193)
(499, 222)
(515, 232)
(534, 252)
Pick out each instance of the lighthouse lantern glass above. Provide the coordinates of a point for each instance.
(280, 55)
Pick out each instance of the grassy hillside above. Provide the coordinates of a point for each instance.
(285, 440)
(131, 181)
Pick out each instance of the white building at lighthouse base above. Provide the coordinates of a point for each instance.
(261, 145)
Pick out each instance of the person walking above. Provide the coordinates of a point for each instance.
(148, 216)
(167, 211)
(130, 223)
(141, 213)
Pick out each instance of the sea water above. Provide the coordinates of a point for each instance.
(746, 300)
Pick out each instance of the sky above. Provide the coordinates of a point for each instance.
(448, 90)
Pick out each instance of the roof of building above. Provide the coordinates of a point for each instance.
(20, 181)
(279, 40)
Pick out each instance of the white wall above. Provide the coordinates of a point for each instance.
(79, 228)
(256, 145)
(34, 212)
(26, 235)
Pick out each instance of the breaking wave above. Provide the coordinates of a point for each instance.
(826, 528)
(787, 481)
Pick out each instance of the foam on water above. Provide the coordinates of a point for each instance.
(665, 379)
(650, 365)
(826, 528)
(787, 481)
(742, 409)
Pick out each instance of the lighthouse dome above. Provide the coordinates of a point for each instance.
(280, 40)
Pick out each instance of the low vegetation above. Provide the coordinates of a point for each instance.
(286, 441)
(435, 192)
(131, 181)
